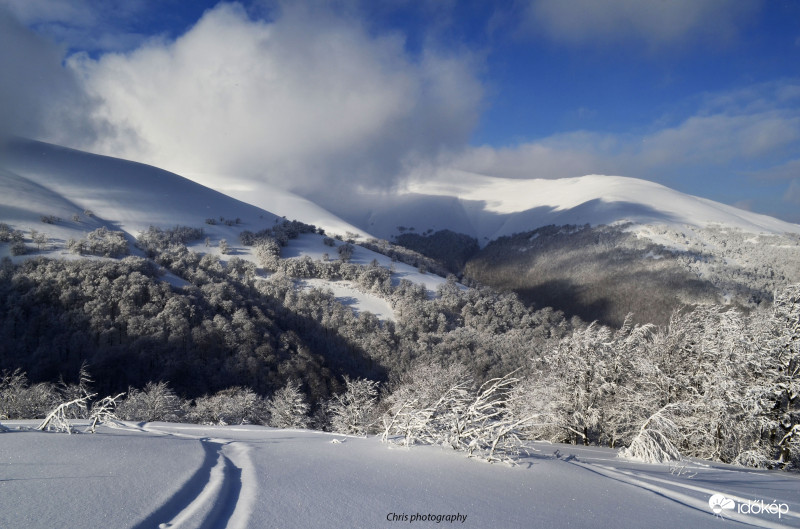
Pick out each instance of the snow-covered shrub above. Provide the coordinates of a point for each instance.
(345, 251)
(268, 252)
(653, 443)
(19, 400)
(353, 412)
(102, 242)
(60, 418)
(437, 405)
(18, 248)
(103, 411)
(155, 239)
(288, 407)
(419, 399)
(156, 402)
(237, 405)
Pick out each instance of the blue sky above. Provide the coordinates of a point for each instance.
(700, 95)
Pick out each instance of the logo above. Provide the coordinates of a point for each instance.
(719, 503)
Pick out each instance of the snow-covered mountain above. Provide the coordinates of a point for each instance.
(39, 180)
(65, 193)
(728, 254)
(486, 208)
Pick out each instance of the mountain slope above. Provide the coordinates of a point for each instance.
(487, 208)
(65, 194)
(594, 246)
(39, 179)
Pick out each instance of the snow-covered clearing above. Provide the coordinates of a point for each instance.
(347, 294)
(180, 475)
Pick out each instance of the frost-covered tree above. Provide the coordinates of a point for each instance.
(156, 402)
(418, 397)
(345, 251)
(60, 418)
(353, 412)
(21, 400)
(288, 407)
(785, 375)
(103, 411)
(654, 441)
(237, 405)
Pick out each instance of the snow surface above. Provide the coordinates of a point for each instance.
(189, 476)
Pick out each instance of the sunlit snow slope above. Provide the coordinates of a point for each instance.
(39, 179)
(487, 208)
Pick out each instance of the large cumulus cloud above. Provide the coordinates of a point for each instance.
(308, 99)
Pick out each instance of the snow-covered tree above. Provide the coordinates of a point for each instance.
(237, 405)
(103, 411)
(60, 418)
(288, 407)
(156, 402)
(654, 441)
(353, 412)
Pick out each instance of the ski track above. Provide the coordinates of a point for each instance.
(222, 492)
(682, 493)
(218, 496)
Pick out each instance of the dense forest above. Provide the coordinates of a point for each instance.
(186, 336)
(604, 273)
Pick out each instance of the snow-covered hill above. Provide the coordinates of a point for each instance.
(39, 180)
(79, 192)
(487, 208)
(178, 475)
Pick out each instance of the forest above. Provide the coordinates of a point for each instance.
(604, 273)
(184, 336)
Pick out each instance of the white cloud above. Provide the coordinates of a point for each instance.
(83, 24)
(38, 97)
(306, 99)
(786, 171)
(656, 22)
(792, 193)
(726, 134)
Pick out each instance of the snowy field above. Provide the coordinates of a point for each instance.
(187, 476)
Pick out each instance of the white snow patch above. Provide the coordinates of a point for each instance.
(348, 294)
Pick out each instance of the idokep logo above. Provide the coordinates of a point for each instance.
(719, 503)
